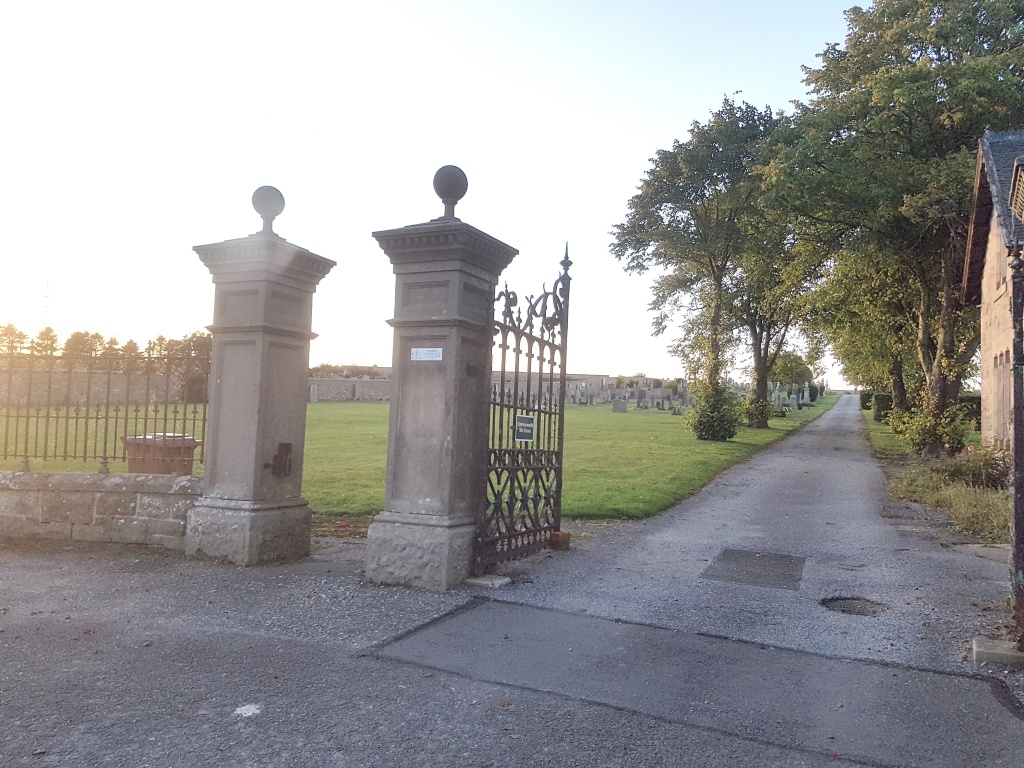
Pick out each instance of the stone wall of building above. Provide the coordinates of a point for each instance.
(128, 509)
(996, 344)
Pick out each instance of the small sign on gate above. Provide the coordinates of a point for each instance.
(524, 428)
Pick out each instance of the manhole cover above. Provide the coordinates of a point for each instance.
(857, 606)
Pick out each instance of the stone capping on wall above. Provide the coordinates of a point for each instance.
(114, 508)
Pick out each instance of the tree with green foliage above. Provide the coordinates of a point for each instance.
(685, 220)
(768, 296)
(157, 347)
(196, 344)
(698, 218)
(791, 368)
(12, 340)
(867, 312)
(83, 344)
(884, 166)
(111, 347)
(45, 342)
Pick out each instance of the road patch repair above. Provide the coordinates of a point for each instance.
(779, 696)
(758, 569)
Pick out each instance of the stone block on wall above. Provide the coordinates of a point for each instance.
(19, 504)
(116, 505)
(59, 506)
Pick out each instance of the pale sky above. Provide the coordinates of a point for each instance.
(133, 131)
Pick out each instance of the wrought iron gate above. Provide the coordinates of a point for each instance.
(524, 457)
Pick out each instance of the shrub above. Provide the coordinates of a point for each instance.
(865, 400)
(881, 406)
(757, 413)
(984, 467)
(926, 433)
(971, 404)
(716, 413)
(779, 411)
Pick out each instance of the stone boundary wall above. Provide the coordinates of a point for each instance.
(122, 508)
(97, 388)
(341, 389)
(350, 389)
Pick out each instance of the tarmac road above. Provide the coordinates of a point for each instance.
(697, 638)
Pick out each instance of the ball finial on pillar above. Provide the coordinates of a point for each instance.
(268, 202)
(450, 184)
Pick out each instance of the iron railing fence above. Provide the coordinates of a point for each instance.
(65, 408)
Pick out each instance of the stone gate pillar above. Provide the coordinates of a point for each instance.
(445, 276)
(252, 510)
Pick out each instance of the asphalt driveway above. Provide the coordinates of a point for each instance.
(697, 638)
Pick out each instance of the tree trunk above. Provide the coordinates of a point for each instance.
(940, 357)
(899, 387)
(760, 355)
(715, 341)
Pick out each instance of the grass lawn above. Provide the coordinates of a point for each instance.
(617, 465)
(977, 512)
(346, 456)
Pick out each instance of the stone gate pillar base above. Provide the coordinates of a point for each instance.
(431, 552)
(248, 532)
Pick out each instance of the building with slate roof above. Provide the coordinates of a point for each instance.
(994, 234)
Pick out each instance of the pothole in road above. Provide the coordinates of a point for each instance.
(856, 606)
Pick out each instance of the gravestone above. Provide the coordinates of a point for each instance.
(620, 406)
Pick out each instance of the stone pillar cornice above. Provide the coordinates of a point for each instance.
(262, 255)
(444, 240)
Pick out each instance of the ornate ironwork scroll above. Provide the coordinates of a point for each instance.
(524, 457)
